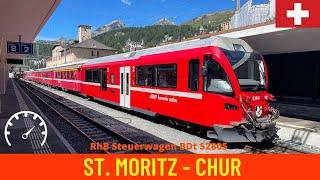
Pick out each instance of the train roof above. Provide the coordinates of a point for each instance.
(217, 41)
(63, 66)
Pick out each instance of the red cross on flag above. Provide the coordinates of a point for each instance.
(297, 13)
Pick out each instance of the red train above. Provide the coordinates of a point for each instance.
(216, 84)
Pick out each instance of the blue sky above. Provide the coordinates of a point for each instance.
(71, 13)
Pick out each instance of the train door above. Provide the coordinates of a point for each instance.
(103, 79)
(125, 86)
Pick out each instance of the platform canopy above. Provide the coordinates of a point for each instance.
(24, 17)
(268, 39)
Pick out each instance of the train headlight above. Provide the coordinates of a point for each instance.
(258, 111)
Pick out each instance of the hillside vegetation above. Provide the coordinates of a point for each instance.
(155, 35)
(151, 35)
(212, 21)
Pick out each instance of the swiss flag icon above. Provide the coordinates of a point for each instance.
(298, 13)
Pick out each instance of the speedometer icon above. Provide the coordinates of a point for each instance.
(35, 124)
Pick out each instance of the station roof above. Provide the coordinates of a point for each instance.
(25, 18)
(266, 38)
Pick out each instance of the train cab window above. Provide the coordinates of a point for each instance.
(166, 75)
(215, 78)
(145, 76)
(112, 78)
(193, 82)
(89, 76)
(95, 76)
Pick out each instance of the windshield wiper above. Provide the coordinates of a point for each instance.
(256, 88)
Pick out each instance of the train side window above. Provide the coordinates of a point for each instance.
(166, 75)
(215, 78)
(112, 78)
(193, 82)
(72, 74)
(89, 76)
(95, 76)
(145, 75)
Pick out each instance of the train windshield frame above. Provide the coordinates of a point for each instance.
(249, 69)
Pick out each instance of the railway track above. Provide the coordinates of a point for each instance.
(92, 130)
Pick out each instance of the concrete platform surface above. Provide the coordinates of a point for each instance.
(299, 131)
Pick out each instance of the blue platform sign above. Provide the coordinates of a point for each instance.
(13, 47)
(19, 47)
(26, 48)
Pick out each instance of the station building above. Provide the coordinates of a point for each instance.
(87, 48)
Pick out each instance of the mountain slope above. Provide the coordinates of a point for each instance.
(114, 25)
(151, 35)
(212, 21)
(164, 21)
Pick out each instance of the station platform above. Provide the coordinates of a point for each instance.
(14, 101)
(299, 131)
(299, 122)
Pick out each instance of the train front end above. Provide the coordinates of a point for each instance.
(256, 118)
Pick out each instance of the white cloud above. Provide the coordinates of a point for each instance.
(45, 38)
(126, 2)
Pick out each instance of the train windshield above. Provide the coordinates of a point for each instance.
(249, 69)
